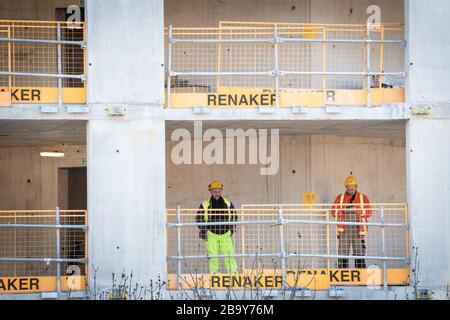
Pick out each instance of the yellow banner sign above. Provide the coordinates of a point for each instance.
(40, 284)
(44, 95)
(241, 100)
(233, 97)
(313, 279)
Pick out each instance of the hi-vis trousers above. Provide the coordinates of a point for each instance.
(217, 244)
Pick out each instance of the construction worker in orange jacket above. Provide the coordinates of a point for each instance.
(346, 209)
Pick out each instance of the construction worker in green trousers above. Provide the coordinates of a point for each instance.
(218, 237)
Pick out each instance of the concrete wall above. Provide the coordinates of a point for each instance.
(32, 10)
(30, 182)
(428, 50)
(308, 163)
(348, 11)
(207, 13)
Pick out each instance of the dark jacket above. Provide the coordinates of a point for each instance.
(216, 216)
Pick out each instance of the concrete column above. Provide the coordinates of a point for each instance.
(126, 166)
(428, 137)
(428, 180)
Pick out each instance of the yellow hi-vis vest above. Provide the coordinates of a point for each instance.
(362, 229)
(207, 203)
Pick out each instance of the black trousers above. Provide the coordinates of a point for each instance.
(359, 263)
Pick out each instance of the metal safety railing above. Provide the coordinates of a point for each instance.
(294, 64)
(287, 237)
(47, 245)
(43, 61)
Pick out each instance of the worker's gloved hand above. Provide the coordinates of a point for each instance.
(339, 237)
(363, 242)
(202, 234)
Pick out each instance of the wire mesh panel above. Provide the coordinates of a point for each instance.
(286, 238)
(41, 243)
(312, 230)
(240, 58)
(29, 50)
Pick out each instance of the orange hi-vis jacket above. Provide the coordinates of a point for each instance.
(363, 212)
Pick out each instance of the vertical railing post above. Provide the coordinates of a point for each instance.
(328, 240)
(219, 58)
(58, 38)
(178, 221)
(324, 68)
(282, 247)
(243, 240)
(169, 66)
(9, 61)
(277, 67)
(86, 245)
(368, 77)
(58, 252)
(380, 84)
(383, 248)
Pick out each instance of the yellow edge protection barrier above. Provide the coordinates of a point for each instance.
(246, 97)
(17, 285)
(28, 95)
(313, 279)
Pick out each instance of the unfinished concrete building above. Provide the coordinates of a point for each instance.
(116, 116)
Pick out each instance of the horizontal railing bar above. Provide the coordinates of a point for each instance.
(330, 73)
(300, 209)
(236, 255)
(345, 223)
(227, 223)
(284, 73)
(268, 40)
(246, 214)
(63, 216)
(41, 211)
(29, 22)
(289, 255)
(320, 204)
(337, 256)
(43, 41)
(285, 221)
(266, 73)
(284, 39)
(46, 75)
(223, 24)
(46, 226)
(84, 260)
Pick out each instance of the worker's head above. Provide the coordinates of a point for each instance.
(216, 189)
(351, 185)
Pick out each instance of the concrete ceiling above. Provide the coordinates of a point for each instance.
(54, 132)
(392, 129)
(41, 133)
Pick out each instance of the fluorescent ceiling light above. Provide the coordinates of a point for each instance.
(52, 154)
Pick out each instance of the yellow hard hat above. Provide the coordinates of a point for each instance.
(351, 181)
(215, 185)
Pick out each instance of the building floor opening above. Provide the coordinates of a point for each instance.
(43, 206)
(285, 223)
